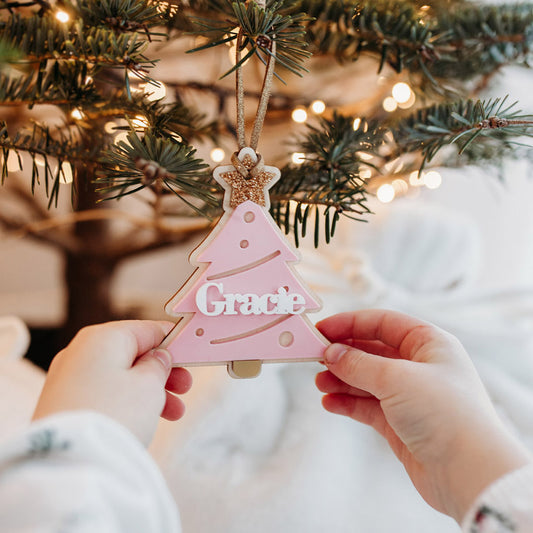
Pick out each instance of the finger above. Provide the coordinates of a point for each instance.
(329, 383)
(156, 363)
(371, 373)
(174, 408)
(365, 410)
(374, 347)
(179, 381)
(390, 327)
(121, 342)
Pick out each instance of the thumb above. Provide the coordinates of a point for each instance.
(371, 373)
(157, 362)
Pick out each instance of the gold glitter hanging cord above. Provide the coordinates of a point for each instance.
(265, 93)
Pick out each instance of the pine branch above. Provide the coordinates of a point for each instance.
(44, 38)
(260, 28)
(63, 84)
(42, 146)
(123, 15)
(478, 39)
(329, 177)
(463, 123)
(158, 163)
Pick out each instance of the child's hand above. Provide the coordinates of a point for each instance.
(113, 369)
(415, 384)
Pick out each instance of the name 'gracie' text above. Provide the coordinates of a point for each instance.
(219, 303)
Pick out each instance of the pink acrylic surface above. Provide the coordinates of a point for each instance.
(236, 242)
(262, 235)
(188, 348)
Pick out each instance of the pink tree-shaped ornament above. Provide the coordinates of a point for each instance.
(244, 304)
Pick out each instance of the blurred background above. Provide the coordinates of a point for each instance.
(452, 244)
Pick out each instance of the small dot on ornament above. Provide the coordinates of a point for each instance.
(286, 338)
(199, 332)
(244, 244)
(249, 216)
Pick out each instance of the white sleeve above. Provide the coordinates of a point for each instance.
(81, 472)
(506, 506)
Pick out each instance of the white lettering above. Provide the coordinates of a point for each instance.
(280, 303)
(201, 300)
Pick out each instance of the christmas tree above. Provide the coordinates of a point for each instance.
(246, 303)
(83, 113)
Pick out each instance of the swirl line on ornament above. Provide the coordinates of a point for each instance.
(251, 332)
(245, 268)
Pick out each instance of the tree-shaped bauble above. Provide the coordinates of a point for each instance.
(244, 303)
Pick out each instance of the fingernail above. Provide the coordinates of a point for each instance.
(164, 357)
(334, 352)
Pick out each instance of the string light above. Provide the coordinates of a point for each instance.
(364, 156)
(110, 126)
(298, 158)
(39, 160)
(432, 179)
(166, 7)
(386, 193)
(140, 121)
(299, 114)
(77, 114)
(400, 186)
(365, 173)
(394, 166)
(318, 107)
(217, 155)
(390, 104)
(122, 136)
(356, 123)
(415, 179)
(62, 16)
(401, 92)
(409, 103)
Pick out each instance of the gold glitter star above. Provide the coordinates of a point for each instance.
(246, 180)
(243, 189)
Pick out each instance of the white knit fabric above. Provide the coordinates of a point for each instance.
(80, 472)
(506, 506)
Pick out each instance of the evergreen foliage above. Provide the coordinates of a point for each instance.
(88, 63)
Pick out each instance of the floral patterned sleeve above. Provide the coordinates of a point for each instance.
(506, 506)
(82, 472)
